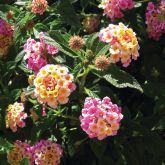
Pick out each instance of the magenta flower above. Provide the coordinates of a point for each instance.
(37, 52)
(155, 20)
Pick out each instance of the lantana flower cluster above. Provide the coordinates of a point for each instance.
(37, 52)
(39, 6)
(123, 41)
(53, 85)
(155, 20)
(114, 8)
(47, 152)
(19, 152)
(44, 152)
(6, 37)
(100, 118)
(15, 116)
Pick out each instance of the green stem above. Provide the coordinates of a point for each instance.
(66, 117)
(58, 114)
(32, 101)
(83, 80)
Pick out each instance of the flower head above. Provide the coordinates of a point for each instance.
(15, 116)
(91, 24)
(102, 62)
(100, 118)
(39, 6)
(19, 152)
(47, 152)
(37, 52)
(6, 37)
(10, 14)
(114, 8)
(76, 42)
(53, 85)
(155, 20)
(123, 41)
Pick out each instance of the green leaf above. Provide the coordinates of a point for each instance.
(84, 3)
(104, 50)
(106, 160)
(24, 68)
(15, 94)
(19, 56)
(25, 161)
(19, 3)
(4, 145)
(91, 39)
(154, 89)
(91, 93)
(36, 33)
(98, 147)
(61, 47)
(119, 78)
(67, 13)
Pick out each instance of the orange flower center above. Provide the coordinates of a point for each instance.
(49, 83)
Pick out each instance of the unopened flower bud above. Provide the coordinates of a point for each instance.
(76, 42)
(102, 62)
(89, 54)
(91, 24)
(34, 115)
(9, 14)
(23, 97)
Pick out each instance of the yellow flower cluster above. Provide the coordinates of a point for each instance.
(15, 116)
(123, 41)
(53, 85)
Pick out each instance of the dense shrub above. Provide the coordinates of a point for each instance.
(82, 82)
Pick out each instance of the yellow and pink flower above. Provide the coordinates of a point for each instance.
(39, 6)
(53, 85)
(123, 41)
(114, 8)
(15, 116)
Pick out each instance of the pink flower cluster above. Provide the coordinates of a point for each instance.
(44, 152)
(47, 152)
(114, 8)
(100, 118)
(37, 53)
(15, 116)
(155, 20)
(6, 37)
(19, 152)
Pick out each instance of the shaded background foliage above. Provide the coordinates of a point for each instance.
(141, 137)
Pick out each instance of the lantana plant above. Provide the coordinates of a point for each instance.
(82, 82)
